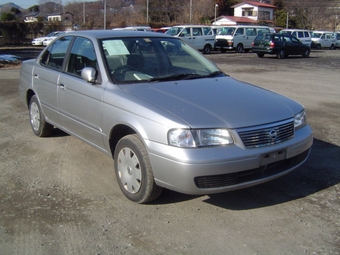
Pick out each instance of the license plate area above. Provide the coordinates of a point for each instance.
(272, 157)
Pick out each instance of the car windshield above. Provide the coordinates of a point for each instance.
(153, 59)
(227, 31)
(316, 35)
(174, 31)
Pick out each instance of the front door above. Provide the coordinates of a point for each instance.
(80, 102)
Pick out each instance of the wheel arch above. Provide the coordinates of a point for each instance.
(207, 46)
(117, 133)
(29, 94)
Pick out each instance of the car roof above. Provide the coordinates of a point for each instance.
(101, 34)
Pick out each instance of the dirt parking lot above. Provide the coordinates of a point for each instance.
(59, 195)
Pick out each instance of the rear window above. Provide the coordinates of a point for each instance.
(259, 38)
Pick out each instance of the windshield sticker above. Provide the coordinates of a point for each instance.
(116, 47)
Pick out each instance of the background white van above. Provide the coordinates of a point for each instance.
(238, 38)
(323, 39)
(303, 35)
(198, 36)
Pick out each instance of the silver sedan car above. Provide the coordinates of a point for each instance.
(169, 117)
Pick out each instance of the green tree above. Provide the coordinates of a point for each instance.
(7, 16)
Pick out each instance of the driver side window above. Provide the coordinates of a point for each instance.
(82, 55)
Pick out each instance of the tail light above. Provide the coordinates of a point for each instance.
(271, 44)
(252, 44)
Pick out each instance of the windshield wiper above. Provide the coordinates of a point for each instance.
(216, 73)
(185, 76)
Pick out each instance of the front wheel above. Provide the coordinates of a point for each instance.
(133, 170)
(239, 48)
(39, 126)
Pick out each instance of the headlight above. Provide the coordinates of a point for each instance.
(300, 120)
(199, 138)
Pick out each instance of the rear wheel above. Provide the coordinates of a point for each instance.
(239, 48)
(282, 54)
(260, 55)
(332, 47)
(318, 47)
(306, 53)
(37, 120)
(133, 170)
(207, 49)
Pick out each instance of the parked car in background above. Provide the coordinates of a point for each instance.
(198, 36)
(238, 38)
(48, 40)
(172, 121)
(303, 35)
(135, 28)
(281, 45)
(337, 38)
(39, 41)
(323, 39)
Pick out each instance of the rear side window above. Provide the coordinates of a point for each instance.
(55, 54)
(250, 31)
(196, 31)
(300, 34)
(287, 39)
(306, 34)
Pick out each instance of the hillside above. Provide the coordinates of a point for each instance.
(8, 6)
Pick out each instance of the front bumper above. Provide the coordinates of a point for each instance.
(203, 171)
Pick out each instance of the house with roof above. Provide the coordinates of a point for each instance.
(32, 17)
(248, 13)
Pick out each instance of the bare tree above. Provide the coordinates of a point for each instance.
(312, 14)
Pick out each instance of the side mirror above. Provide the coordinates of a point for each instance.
(89, 74)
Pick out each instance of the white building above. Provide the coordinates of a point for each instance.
(258, 11)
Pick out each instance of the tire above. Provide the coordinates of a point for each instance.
(37, 120)
(133, 170)
(260, 55)
(282, 54)
(223, 50)
(318, 47)
(332, 47)
(239, 48)
(207, 49)
(306, 53)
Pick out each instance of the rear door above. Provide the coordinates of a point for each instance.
(47, 75)
(289, 45)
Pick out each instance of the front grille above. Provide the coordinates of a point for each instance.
(267, 135)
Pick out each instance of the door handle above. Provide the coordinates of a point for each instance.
(36, 76)
(62, 86)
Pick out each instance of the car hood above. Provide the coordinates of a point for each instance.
(216, 102)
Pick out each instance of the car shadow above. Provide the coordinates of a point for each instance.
(58, 133)
(318, 173)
